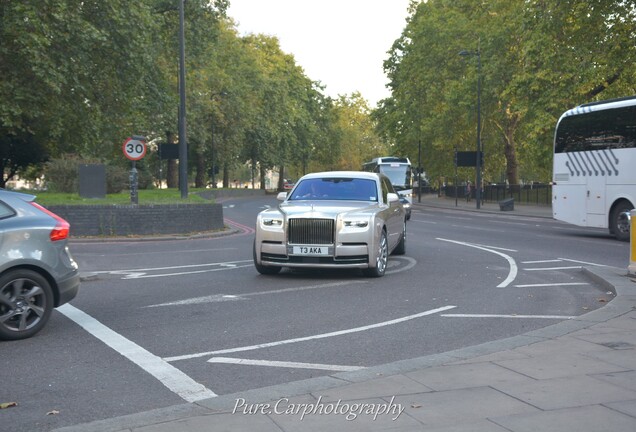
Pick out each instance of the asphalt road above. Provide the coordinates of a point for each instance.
(169, 322)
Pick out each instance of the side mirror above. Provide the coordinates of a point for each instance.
(392, 197)
(282, 196)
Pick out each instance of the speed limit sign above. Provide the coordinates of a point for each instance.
(135, 148)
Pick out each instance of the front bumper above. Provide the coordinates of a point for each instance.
(341, 256)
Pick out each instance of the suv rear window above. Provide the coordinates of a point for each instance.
(5, 211)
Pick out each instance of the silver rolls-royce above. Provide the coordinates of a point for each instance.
(336, 219)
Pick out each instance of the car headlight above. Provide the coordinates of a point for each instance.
(272, 222)
(356, 223)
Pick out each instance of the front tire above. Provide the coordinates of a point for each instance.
(381, 260)
(400, 249)
(264, 270)
(619, 226)
(26, 302)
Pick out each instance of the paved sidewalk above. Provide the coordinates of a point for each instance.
(578, 375)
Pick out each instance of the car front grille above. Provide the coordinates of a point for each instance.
(311, 231)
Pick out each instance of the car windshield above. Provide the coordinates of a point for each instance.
(348, 189)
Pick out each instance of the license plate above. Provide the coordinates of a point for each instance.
(310, 250)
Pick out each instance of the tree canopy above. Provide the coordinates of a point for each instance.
(537, 59)
(79, 76)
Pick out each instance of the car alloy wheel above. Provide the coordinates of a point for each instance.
(381, 258)
(26, 301)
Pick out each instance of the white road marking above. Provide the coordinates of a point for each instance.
(512, 274)
(583, 262)
(294, 365)
(551, 284)
(509, 223)
(309, 338)
(171, 377)
(540, 261)
(225, 297)
(143, 272)
(494, 247)
(553, 268)
(216, 298)
(507, 316)
(170, 267)
(421, 221)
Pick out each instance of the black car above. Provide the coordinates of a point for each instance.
(407, 207)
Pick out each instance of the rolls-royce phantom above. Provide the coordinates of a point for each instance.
(335, 219)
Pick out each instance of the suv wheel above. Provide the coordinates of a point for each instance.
(26, 302)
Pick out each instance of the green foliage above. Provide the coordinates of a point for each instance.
(146, 197)
(538, 59)
(62, 175)
(79, 76)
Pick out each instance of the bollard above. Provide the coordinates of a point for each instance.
(632, 241)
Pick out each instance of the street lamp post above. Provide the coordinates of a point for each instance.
(478, 158)
(183, 143)
(222, 93)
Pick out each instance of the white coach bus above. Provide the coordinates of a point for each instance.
(397, 169)
(594, 165)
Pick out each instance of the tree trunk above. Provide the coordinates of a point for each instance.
(199, 179)
(226, 177)
(263, 172)
(172, 170)
(512, 166)
(508, 129)
(281, 178)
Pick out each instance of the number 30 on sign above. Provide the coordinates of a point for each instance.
(135, 148)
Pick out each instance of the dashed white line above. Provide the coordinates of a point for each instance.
(171, 377)
(282, 364)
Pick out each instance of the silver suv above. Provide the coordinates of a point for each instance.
(37, 271)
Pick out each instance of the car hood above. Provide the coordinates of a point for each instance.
(324, 208)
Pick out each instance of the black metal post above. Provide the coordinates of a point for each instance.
(478, 165)
(478, 161)
(183, 143)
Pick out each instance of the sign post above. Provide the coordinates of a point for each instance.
(134, 149)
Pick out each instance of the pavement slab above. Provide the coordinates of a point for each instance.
(451, 407)
(580, 419)
(568, 392)
(454, 377)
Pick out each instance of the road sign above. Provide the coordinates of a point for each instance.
(135, 148)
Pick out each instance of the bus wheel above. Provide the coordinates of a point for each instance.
(619, 224)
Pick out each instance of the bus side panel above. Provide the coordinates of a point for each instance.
(622, 185)
(569, 191)
(569, 202)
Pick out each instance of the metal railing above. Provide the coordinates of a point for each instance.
(536, 193)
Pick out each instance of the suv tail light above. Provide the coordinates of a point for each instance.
(61, 229)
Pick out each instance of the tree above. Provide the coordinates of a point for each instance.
(539, 58)
(17, 153)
